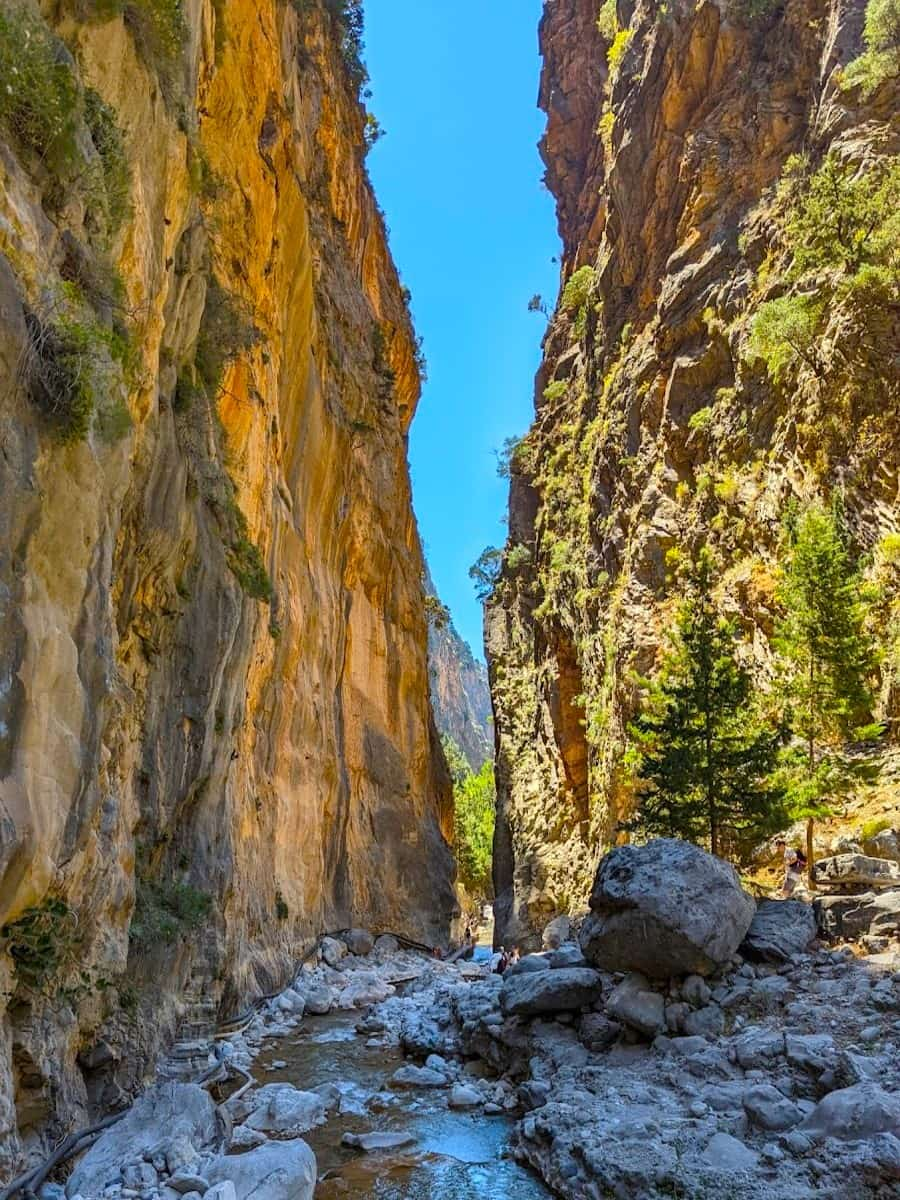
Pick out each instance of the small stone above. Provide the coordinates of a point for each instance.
(463, 1096)
(373, 1142)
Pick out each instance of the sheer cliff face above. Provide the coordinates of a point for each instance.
(459, 690)
(249, 772)
(665, 166)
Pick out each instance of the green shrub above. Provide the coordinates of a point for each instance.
(838, 216)
(607, 21)
(246, 562)
(784, 331)
(160, 34)
(881, 60)
(115, 191)
(39, 97)
(872, 828)
(41, 943)
(556, 390)
(618, 48)
(282, 912)
(578, 288)
(517, 557)
(701, 420)
(165, 912)
(226, 331)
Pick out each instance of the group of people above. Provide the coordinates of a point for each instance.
(501, 960)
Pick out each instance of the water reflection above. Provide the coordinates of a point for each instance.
(456, 1156)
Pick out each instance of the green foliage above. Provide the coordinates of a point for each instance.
(246, 562)
(226, 331)
(607, 21)
(103, 126)
(556, 390)
(702, 756)
(436, 612)
(485, 572)
(578, 289)
(838, 216)
(784, 332)
(517, 556)
(827, 658)
(74, 365)
(618, 48)
(41, 943)
(701, 420)
(165, 912)
(881, 60)
(39, 95)
(457, 762)
(473, 829)
(160, 34)
(872, 828)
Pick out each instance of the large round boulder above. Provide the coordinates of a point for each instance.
(667, 908)
(538, 992)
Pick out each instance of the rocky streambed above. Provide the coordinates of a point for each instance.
(746, 1060)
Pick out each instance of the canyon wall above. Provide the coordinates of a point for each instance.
(460, 694)
(215, 733)
(664, 418)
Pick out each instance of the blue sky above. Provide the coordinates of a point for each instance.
(473, 231)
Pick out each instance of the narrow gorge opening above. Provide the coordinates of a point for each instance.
(450, 599)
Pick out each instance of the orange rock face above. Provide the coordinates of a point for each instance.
(215, 733)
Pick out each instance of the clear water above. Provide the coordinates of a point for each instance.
(456, 1155)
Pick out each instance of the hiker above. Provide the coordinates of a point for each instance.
(437, 953)
(515, 956)
(468, 934)
(794, 866)
(498, 957)
(503, 963)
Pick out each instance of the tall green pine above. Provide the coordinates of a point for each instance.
(827, 659)
(702, 757)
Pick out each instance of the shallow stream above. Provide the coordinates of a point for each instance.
(456, 1155)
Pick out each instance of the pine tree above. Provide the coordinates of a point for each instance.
(827, 660)
(702, 756)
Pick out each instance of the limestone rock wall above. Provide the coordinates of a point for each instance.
(215, 732)
(669, 128)
(459, 689)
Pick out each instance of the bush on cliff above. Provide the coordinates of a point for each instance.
(881, 60)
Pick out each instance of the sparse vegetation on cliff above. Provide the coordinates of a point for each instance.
(474, 799)
(166, 911)
(881, 59)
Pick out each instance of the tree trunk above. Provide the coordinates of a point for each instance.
(810, 859)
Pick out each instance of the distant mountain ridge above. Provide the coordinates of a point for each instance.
(460, 695)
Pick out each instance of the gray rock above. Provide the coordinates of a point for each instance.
(282, 1108)
(333, 950)
(769, 1109)
(222, 1191)
(529, 964)
(705, 1022)
(556, 932)
(758, 1048)
(726, 1153)
(245, 1138)
(852, 917)
(410, 1076)
(463, 1096)
(275, 1171)
(387, 944)
(695, 990)
(188, 1181)
(598, 1032)
(667, 908)
(780, 931)
(885, 844)
(360, 942)
(675, 1016)
(568, 955)
(857, 1112)
(318, 998)
(169, 1112)
(857, 869)
(634, 1004)
(372, 1143)
(549, 991)
(141, 1175)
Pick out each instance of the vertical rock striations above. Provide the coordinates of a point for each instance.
(709, 364)
(459, 686)
(215, 733)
